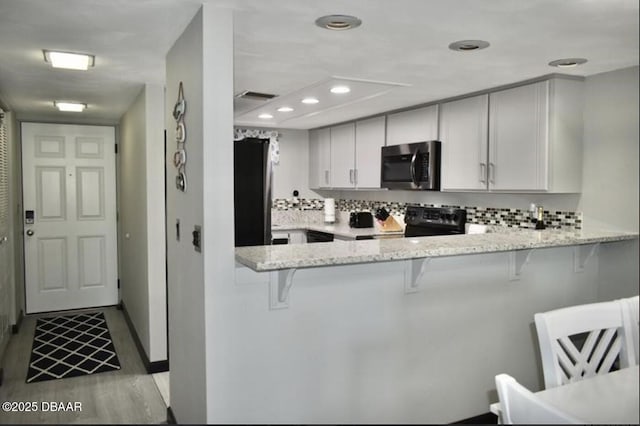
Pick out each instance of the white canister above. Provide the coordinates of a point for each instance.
(329, 210)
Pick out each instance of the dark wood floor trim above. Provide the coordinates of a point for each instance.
(151, 367)
(15, 328)
(482, 419)
(171, 419)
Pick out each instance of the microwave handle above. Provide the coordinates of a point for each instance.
(413, 168)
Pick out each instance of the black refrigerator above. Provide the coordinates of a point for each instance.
(252, 192)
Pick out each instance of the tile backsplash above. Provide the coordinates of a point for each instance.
(497, 216)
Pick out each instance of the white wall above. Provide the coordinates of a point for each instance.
(610, 180)
(198, 333)
(141, 211)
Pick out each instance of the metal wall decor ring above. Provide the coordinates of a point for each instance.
(179, 158)
(181, 105)
(181, 132)
(181, 182)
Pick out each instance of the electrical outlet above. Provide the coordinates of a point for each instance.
(197, 238)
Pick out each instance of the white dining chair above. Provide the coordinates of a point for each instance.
(582, 341)
(630, 308)
(519, 405)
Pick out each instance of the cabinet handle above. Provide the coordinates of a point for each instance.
(483, 172)
(492, 173)
(326, 177)
(350, 175)
(355, 176)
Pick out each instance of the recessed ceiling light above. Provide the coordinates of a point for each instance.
(340, 89)
(285, 109)
(468, 45)
(338, 22)
(69, 106)
(68, 60)
(567, 62)
(310, 101)
(265, 116)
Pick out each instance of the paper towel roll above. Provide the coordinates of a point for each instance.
(329, 210)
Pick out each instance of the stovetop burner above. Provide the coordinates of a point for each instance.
(429, 221)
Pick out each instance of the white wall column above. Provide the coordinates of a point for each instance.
(202, 59)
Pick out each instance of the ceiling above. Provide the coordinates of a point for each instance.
(401, 44)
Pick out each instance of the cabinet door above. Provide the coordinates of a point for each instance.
(518, 138)
(463, 132)
(324, 150)
(315, 177)
(370, 136)
(343, 156)
(416, 125)
(320, 158)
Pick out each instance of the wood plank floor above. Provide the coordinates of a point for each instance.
(128, 395)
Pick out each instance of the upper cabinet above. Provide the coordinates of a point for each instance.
(463, 132)
(320, 158)
(524, 139)
(347, 156)
(535, 137)
(343, 151)
(370, 139)
(416, 125)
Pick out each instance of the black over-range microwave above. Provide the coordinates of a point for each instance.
(411, 166)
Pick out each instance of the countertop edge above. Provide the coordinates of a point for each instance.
(405, 252)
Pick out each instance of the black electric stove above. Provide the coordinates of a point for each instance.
(430, 221)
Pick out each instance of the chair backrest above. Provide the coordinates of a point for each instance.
(630, 307)
(519, 405)
(583, 341)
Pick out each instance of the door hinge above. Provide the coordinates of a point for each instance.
(116, 148)
(118, 282)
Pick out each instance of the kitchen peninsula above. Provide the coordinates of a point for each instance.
(402, 317)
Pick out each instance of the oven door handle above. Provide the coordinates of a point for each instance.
(413, 168)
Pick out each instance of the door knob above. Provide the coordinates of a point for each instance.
(30, 232)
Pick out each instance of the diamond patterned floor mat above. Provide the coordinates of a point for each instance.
(70, 346)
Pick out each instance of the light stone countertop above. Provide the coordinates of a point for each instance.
(272, 258)
(341, 230)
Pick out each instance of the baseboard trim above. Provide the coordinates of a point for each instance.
(171, 419)
(483, 419)
(151, 367)
(15, 328)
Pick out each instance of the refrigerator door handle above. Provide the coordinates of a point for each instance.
(267, 196)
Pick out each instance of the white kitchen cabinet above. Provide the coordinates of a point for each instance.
(463, 132)
(535, 137)
(343, 150)
(320, 158)
(415, 125)
(370, 138)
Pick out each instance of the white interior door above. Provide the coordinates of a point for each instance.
(71, 247)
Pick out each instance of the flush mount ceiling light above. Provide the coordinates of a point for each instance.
(340, 89)
(310, 101)
(338, 22)
(265, 116)
(68, 60)
(567, 62)
(285, 109)
(468, 45)
(69, 106)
